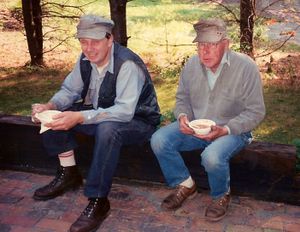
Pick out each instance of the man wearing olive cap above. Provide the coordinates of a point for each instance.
(109, 95)
(217, 84)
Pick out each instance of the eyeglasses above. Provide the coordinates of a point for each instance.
(209, 45)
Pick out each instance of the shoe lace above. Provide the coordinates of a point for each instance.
(180, 191)
(90, 208)
(179, 194)
(59, 176)
(223, 201)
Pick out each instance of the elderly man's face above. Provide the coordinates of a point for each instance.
(97, 50)
(211, 54)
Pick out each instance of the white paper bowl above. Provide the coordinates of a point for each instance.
(201, 126)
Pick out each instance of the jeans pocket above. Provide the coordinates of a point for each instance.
(247, 137)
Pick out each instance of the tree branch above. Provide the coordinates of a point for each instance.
(60, 5)
(227, 9)
(54, 14)
(60, 43)
(268, 6)
(262, 54)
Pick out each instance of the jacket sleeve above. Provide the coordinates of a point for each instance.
(70, 90)
(183, 105)
(254, 107)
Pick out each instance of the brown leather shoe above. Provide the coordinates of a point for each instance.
(66, 178)
(176, 198)
(93, 215)
(218, 208)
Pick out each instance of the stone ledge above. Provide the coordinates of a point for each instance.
(262, 170)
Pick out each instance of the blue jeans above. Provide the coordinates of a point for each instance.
(168, 142)
(109, 138)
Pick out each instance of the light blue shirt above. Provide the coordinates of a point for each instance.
(129, 85)
(213, 76)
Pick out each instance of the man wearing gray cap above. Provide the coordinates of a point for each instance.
(220, 85)
(109, 95)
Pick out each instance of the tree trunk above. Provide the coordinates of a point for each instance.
(32, 14)
(247, 14)
(118, 15)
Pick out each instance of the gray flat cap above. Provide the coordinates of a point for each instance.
(210, 30)
(94, 27)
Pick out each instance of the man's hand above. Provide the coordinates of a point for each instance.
(216, 132)
(65, 120)
(184, 125)
(38, 108)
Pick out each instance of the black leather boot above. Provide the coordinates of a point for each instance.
(67, 178)
(93, 215)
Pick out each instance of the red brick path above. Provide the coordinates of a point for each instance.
(135, 208)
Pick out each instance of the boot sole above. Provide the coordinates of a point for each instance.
(101, 221)
(218, 218)
(188, 198)
(67, 189)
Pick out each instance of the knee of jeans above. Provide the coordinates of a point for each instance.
(106, 132)
(210, 161)
(158, 142)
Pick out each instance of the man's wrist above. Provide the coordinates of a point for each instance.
(181, 115)
(51, 106)
(80, 117)
(228, 130)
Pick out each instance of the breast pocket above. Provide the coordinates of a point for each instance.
(230, 105)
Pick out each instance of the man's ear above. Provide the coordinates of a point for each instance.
(111, 40)
(226, 43)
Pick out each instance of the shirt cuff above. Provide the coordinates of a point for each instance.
(94, 116)
(55, 105)
(181, 114)
(228, 129)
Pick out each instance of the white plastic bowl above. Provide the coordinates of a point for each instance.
(201, 126)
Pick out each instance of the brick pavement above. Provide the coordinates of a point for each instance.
(135, 208)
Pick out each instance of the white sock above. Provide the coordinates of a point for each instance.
(188, 182)
(67, 159)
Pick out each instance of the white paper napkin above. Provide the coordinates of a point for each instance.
(46, 117)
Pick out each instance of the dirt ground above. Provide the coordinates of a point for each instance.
(14, 50)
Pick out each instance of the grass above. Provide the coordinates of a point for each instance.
(282, 121)
(161, 33)
(19, 88)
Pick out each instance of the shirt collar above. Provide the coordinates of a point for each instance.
(110, 67)
(225, 58)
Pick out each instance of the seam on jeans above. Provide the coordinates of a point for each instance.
(238, 148)
(122, 129)
(106, 160)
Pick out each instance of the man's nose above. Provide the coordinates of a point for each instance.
(206, 49)
(89, 47)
